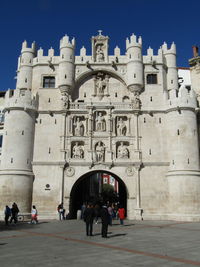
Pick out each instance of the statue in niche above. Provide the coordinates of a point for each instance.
(101, 84)
(100, 123)
(78, 127)
(122, 151)
(100, 150)
(99, 54)
(121, 127)
(77, 152)
(136, 101)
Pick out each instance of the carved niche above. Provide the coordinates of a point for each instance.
(77, 150)
(101, 83)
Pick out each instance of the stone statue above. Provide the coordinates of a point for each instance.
(99, 54)
(78, 127)
(100, 123)
(65, 99)
(122, 151)
(78, 152)
(101, 84)
(121, 127)
(136, 102)
(100, 150)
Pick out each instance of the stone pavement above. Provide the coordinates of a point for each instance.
(64, 243)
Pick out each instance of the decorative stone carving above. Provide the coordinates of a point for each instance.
(70, 171)
(100, 152)
(100, 57)
(122, 151)
(121, 127)
(100, 123)
(78, 127)
(136, 102)
(65, 99)
(78, 151)
(101, 81)
(129, 171)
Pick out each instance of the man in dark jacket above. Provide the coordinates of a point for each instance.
(88, 217)
(105, 221)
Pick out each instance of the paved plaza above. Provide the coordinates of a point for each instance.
(64, 243)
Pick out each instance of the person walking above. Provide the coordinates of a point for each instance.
(105, 217)
(14, 213)
(88, 217)
(34, 215)
(121, 215)
(61, 211)
(7, 213)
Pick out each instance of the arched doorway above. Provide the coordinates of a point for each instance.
(89, 188)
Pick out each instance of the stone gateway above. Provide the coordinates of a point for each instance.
(72, 117)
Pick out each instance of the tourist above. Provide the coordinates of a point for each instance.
(121, 215)
(61, 211)
(14, 213)
(88, 217)
(7, 213)
(34, 215)
(105, 221)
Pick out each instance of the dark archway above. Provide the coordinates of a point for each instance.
(88, 188)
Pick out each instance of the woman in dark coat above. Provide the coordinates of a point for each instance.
(105, 217)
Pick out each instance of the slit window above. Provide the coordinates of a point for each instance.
(49, 82)
(152, 79)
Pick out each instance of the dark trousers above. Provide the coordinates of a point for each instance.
(104, 229)
(6, 219)
(89, 228)
(13, 217)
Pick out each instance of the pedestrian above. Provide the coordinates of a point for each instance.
(34, 215)
(61, 211)
(83, 207)
(110, 211)
(104, 220)
(88, 217)
(7, 213)
(14, 213)
(97, 213)
(121, 214)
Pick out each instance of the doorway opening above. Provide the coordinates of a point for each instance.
(97, 187)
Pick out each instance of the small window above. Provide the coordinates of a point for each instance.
(151, 78)
(1, 140)
(49, 82)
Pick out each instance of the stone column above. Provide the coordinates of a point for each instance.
(138, 210)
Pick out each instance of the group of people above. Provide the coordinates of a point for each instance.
(62, 212)
(11, 214)
(106, 212)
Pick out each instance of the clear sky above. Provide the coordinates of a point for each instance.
(46, 21)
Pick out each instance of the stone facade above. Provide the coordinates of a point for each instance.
(71, 116)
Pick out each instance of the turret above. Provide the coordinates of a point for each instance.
(24, 76)
(134, 64)
(16, 176)
(66, 65)
(183, 147)
(172, 72)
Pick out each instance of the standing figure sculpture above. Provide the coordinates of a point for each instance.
(100, 123)
(78, 152)
(100, 150)
(78, 127)
(122, 151)
(99, 54)
(121, 127)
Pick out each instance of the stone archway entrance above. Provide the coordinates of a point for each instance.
(88, 188)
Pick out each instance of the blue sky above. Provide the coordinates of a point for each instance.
(46, 21)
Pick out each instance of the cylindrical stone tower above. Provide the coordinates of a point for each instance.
(183, 175)
(135, 72)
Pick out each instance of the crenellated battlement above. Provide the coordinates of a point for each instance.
(152, 58)
(133, 41)
(21, 99)
(183, 98)
(65, 42)
(26, 49)
(171, 50)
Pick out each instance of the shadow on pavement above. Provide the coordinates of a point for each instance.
(18, 226)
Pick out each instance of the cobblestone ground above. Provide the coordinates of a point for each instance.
(59, 243)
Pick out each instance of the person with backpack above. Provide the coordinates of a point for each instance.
(7, 213)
